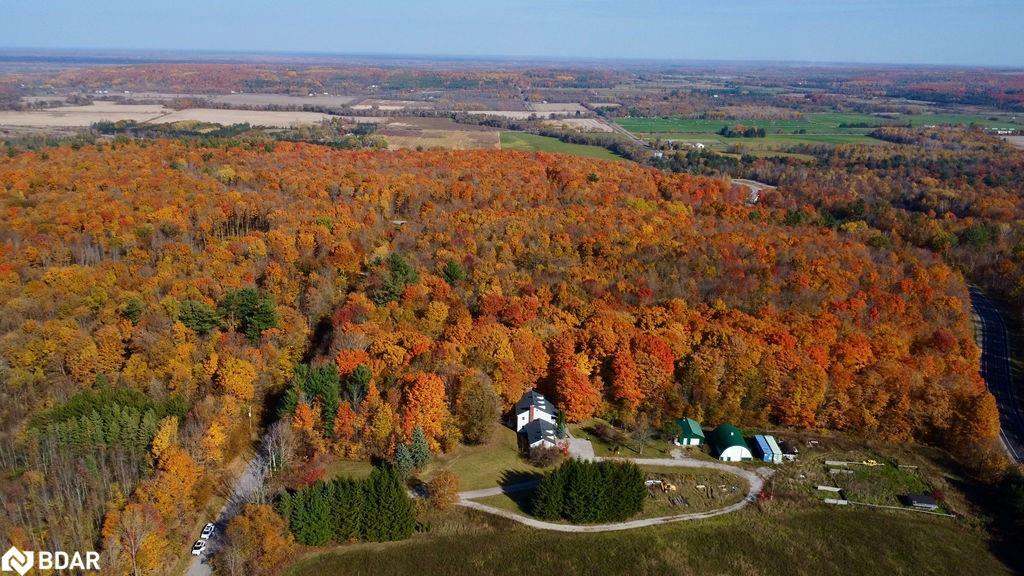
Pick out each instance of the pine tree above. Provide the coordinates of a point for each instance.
(419, 449)
(396, 508)
(284, 508)
(404, 462)
(547, 499)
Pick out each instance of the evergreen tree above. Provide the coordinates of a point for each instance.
(404, 463)
(453, 272)
(198, 316)
(419, 448)
(250, 311)
(356, 384)
(347, 509)
(547, 499)
(395, 506)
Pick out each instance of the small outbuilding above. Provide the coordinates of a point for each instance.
(729, 445)
(921, 502)
(767, 449)
(690, 433)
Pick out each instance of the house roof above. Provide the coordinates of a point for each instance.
(539, 430)
(773, 444)
(535, 399)
(727, 436)
(690, 428)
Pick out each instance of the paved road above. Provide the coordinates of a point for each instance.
(629, 135)
(996, 369)
(755, 480)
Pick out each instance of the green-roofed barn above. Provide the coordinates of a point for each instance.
(728, 444)
(690, 433)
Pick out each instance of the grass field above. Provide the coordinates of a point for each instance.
(793, 533)
(818, 128)
(751, 542)
(533, 142)
(483, 466)
(814, 123)
(657, 504)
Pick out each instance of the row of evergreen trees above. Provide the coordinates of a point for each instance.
(114, 426)
(376, 509)
(583, 491)
(106, 416)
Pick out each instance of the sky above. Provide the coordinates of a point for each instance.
(955, 32)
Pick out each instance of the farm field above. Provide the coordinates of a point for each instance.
(281, 100)
(99, 111)
(817, 128)
(581, 124)
(568, 108)
(427, 133)
(81, 116)
(390, 105)
(273, 119)
(813, 123)
(533, 142)
(516, 114)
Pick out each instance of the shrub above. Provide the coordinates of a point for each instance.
(542, 457)
(444, 490)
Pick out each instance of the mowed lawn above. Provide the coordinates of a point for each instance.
(483, 466)
(534, 143)
(778, 541)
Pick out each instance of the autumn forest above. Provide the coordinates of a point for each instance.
(160, 301)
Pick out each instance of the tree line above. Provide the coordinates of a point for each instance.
(583, 491)
(376, 509)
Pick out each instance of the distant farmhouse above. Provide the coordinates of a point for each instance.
(728, 444)
(534, 419)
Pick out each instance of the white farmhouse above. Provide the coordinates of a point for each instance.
(533, 406)
(534, 419)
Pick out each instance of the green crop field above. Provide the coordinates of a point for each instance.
(814, 123)
(814, 128)
(533, 142)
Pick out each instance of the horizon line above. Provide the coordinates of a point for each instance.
(481, 58)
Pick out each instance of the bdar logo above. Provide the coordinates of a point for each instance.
(15, 560)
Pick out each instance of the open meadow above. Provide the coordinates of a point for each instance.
(533, 142)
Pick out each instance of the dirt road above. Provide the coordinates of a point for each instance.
(755, 480)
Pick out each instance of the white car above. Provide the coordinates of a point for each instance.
(198, 547)
(207, 531)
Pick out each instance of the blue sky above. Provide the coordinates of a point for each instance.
(987, 32)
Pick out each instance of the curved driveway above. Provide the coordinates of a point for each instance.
(753, 479)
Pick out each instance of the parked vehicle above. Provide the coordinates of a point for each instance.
(198, 547)
(208, 531)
